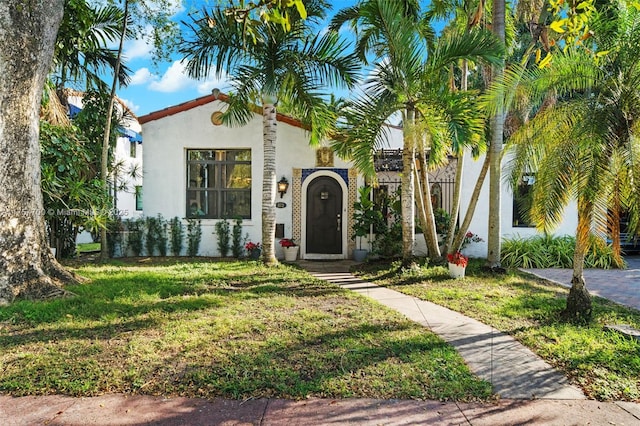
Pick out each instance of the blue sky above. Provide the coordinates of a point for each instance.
(156, 87)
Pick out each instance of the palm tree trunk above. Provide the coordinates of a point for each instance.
(457, 189)
(614, 228)
(425, 208)
(407, 190)
(104, 158)
(269, 181)
(495, 151)
(475, 196)
(579, 301)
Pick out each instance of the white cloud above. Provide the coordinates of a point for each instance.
(133, 107)
(142, 76)
(139, 48)
(176, 79)
(173, 80)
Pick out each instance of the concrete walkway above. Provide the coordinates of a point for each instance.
(514, 371)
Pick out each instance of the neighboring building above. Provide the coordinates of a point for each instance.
(195, 167)
(514, 222)
(128, 160)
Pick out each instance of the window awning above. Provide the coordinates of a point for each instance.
(133, 136)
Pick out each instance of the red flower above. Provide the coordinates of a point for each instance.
(458, 258)
(287, 242)
(250, 246)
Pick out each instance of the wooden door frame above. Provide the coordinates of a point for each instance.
(344, 214)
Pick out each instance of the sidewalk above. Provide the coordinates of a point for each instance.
(119, 409)
(531, 391)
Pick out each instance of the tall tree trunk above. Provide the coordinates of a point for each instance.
(475, 196)
(104, 162)
(614, 227)
(457, 189)
(269, 123)
(495, 150)
(407, 189)
(579, 301)
(28, 31)
(425, 208)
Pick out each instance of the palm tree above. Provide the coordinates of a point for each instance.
(275, 64)
(583, 143)
(409, 78)
(81, 54)
(495, 149)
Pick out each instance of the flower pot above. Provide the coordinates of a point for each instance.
(290, 253)
(255, 254)
(456, 271)
(359, 255)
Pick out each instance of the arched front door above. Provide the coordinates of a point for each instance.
(324, 216)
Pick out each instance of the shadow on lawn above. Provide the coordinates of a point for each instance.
(122, 304)
(365, 358)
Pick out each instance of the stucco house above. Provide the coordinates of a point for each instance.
(127, 155)
(194, 166)
(513, 224)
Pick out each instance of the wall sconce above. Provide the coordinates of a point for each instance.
(283, 185)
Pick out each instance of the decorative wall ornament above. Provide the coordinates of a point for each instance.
(216, 118)
(324, 157)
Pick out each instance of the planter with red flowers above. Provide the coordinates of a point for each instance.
(290, 249)
(457, 264)
(253, 249)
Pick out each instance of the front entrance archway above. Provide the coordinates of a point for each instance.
(324, 216)
(324, 222)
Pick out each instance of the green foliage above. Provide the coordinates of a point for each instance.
(177, 235)
(548, 251)
(224, 239)
(82, 50)
(388, 242)
(153, 231)
(194, 236)
(443, 221)
(135, 235)
(115, 240)
(72, 194)
(365, 215)
(161, 238)
(237, 241)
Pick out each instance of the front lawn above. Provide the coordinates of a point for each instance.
(604, 363)
(232, 329)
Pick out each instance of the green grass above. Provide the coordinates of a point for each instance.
(88, 247)
(604, 363)
(232, 329)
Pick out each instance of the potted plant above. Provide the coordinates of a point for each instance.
(365, 216)
(457, 264)
(253, 249)
(290, 249)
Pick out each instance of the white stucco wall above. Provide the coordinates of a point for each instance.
(166, 143)
(480, 223)
(126, 197)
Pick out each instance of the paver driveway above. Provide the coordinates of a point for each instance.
(619, 285)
